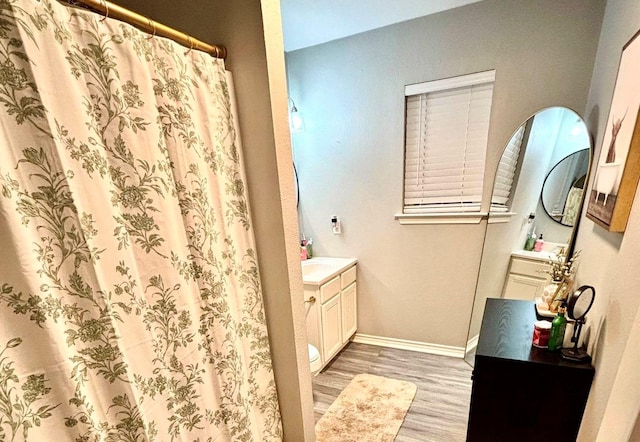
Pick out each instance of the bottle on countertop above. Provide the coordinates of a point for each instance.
(309, 246)
(303, 252)
(558, 327)
(538, 244)
(531, 239)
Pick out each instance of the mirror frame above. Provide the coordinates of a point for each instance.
(586, 178)
(571, 246)
(575, 296)
(574, 233)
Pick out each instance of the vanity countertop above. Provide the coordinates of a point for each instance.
(318, 270)
(549, 251)
(543, 255)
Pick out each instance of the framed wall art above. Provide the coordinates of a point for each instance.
(618, 167)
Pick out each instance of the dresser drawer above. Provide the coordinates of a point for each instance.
(527, 267)
(347, 277)
(329, 289)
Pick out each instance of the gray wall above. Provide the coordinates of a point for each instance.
(610, 262)
(418, 282)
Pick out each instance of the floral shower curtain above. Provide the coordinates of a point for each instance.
(130, 302)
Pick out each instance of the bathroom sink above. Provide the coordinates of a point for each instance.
(543, 255)
(309, 267)
(549, 252)
(317, 271)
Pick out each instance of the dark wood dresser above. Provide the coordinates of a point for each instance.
(520, 392)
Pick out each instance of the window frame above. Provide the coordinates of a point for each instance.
(432, 215)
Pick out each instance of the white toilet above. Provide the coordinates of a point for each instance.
(314, 360)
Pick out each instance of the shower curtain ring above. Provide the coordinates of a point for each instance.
(153, 26)
(106, 6)
(190, 45)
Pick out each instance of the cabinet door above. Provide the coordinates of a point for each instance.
(506, 406)
(523, 287)
(312, 314)
(331, 327)
(349, 312)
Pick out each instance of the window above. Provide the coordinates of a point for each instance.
(500, 199)
(447, 125)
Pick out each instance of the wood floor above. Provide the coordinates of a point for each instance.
(440, 409)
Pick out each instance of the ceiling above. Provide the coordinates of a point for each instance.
(310, 22)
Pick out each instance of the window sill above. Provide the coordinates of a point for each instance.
(440, 218)
(495, 218)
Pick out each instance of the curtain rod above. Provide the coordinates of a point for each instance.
(145, 24)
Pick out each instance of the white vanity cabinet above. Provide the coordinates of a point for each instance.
(332, 310)
(349, 304)
(331, 326)
(526, 277)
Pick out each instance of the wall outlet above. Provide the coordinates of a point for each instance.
(336, 225)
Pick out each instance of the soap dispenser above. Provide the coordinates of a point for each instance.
(538, 244)
(303, 251)
(309, 246)
(558, 327)
(531, 239)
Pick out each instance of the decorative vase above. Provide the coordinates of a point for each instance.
(549, 291)
(561, 294)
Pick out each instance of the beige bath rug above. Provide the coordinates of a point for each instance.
(371, 408)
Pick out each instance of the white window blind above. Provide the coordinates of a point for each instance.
(506, 172)
(447, 125)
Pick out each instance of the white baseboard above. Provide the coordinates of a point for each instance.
(403, 344)
(472, 343)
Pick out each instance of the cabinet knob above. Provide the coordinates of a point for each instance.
(311, 300)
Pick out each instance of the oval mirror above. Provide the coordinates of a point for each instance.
(563, 188)
(580, 302)
(518, 207)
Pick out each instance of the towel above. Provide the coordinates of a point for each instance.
(572, 206)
